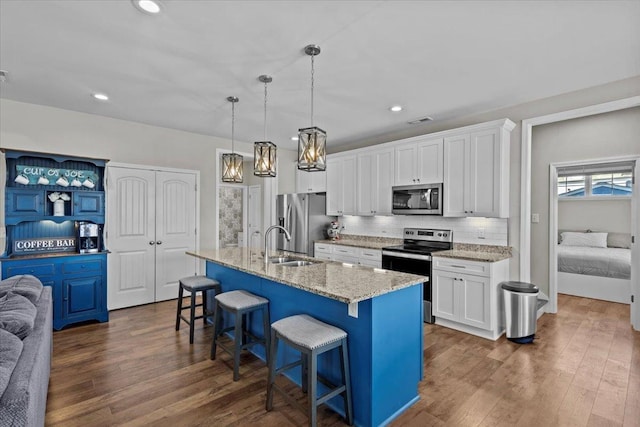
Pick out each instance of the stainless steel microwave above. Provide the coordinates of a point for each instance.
(420, 199)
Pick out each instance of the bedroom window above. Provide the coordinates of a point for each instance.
(596, 180)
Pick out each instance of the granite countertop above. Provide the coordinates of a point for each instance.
(484, 253)
(327, 278)
(368, 242)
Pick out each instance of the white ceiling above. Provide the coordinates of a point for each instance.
(442, 59)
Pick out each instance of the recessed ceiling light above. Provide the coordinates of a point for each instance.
(100, 96)
(396, 108)
(147, 6)
(294, 138)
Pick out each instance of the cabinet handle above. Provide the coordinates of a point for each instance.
(418, 179)
(458, 266)
(152, 242)
(159, 242)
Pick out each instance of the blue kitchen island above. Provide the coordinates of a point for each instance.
(380, 310)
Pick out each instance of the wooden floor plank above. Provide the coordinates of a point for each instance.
(583, 369)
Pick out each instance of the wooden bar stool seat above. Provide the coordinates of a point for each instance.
(241, 304)
(311, 338)
(195, 284)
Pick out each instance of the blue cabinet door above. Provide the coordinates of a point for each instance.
(81, 297)
(88, 203)
(24, 203)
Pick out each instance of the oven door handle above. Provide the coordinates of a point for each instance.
(404, 255)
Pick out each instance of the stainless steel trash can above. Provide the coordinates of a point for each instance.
(520, 310)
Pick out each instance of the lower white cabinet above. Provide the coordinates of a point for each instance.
(466, 295)
(349, 254)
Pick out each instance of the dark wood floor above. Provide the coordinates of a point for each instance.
(583, 370)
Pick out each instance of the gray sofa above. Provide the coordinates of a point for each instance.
(23, 402)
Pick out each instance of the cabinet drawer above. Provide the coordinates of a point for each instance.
(37, 270)
(346, 250)
(462, 266)
(81, 267)
(346, 258)
(322, 248)
(371, 254)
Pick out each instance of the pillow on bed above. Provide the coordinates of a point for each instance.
(594, 240)
(619, 240)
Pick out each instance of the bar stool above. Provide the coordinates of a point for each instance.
(240, 303)
(311, 338)
(195, 284)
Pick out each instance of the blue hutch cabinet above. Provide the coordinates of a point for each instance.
(42, 239)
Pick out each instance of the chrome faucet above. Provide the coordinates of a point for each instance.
(266, 241)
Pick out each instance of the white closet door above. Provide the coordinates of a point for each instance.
(175, 231)
(130, 237)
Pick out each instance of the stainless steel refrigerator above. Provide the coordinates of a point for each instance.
(304, 216)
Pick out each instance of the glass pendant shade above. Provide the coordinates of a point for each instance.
(232, 167)
(264, 155)
(312, 153)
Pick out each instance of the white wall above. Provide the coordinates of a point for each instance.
(598, 215)
(569, 101)
(52, 130)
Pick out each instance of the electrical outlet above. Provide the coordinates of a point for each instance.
(481, 233)
(535, 218)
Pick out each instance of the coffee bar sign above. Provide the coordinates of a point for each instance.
(44, 245)
(36, 175)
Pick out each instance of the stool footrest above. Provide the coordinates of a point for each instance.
(290, 400)
(329, 395)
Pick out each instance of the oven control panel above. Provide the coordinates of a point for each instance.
(428, 234)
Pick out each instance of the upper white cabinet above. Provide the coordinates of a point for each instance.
(374, 181)
(311, 182)
(476, 172)
(341, 185)
(419, 161)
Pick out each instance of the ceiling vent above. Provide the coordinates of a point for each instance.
(420, 120)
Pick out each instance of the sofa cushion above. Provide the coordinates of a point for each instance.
(10, 350)
(17, 314)
(26, 285)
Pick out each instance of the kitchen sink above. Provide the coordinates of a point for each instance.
(281, 260)
(297, 263)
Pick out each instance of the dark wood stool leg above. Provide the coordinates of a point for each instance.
(346, 376)
(180, 291)
(273, 358)
(304, 372)
(237, 344)
(204, 307)
(192, 315)
(217, 326)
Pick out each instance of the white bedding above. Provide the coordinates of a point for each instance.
(604, 262)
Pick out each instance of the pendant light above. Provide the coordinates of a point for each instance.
(312, 154)
(232, 162)
(264, 152)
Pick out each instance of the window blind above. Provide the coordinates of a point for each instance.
(597, 168)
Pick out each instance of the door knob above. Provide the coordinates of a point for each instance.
(152, 242)
(159, 242)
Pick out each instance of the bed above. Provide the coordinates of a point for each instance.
(595, 265)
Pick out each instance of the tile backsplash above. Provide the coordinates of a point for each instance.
(484, 231)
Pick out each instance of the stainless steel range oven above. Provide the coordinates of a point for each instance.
(414, 256)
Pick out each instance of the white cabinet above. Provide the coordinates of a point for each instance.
(311, 182)
(419, 161)
(374, 182)
(349, 254)
(476, 179)
(466, 295)
(341, 185)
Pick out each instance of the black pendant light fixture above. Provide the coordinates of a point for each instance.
(264, 152)
(312, 154)
(232, 162)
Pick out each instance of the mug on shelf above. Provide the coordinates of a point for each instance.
(89, 183)
(22, 179)
(43, 181)
(62, 181)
